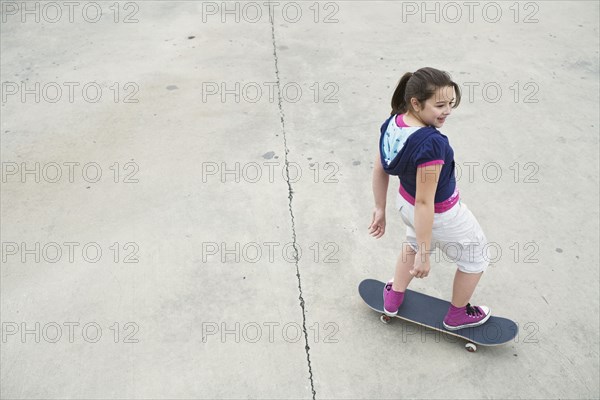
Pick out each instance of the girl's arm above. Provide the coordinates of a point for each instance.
(380, 184)
(427, 181)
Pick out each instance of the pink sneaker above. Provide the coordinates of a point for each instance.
(392, 300)
(465, 317)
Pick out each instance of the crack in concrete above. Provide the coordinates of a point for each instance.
(290, 198)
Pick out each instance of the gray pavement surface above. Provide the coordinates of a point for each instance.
(186, 191)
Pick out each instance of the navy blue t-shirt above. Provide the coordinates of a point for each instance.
(404, 148)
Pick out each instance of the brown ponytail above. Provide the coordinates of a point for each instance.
(398, 101)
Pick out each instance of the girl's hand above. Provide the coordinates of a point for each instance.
(421, 267)
(377, 227)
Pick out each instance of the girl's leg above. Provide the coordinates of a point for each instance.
(459, 316)
(464, 242)
(464, 286)
(405, 262)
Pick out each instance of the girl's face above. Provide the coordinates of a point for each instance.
(436, 108)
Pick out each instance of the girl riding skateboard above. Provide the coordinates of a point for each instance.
(412, 148)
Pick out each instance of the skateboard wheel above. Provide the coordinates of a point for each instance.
(385, 318)
(471, 347)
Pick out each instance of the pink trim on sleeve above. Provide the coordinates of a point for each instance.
(434, 162)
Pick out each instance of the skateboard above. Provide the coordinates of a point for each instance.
(429, 312)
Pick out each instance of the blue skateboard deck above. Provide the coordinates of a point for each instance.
(430, 311)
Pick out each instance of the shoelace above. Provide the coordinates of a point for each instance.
(473, 310)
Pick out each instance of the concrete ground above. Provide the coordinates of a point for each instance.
(186, 191)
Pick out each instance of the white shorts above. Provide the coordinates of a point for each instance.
(455, 232)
